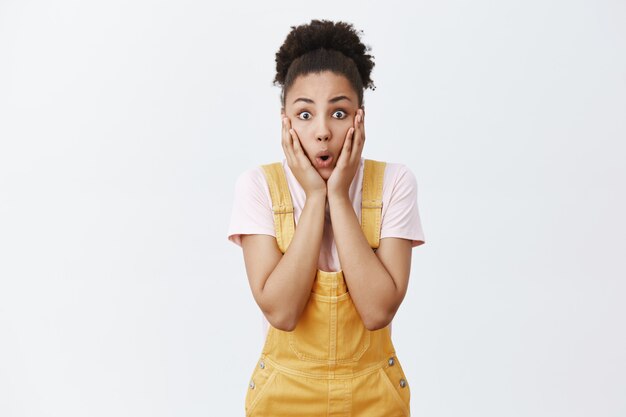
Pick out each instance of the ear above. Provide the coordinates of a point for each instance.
(282, 112)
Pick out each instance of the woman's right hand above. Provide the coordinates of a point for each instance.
(299, 162)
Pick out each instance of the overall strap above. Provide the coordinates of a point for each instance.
(372, 200)
(282, 206)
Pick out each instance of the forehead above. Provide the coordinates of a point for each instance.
(320, 87)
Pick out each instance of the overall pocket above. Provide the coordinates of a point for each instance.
(397, 384)
(261, 380)
(330, 327)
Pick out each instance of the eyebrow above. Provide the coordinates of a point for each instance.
(332, 100)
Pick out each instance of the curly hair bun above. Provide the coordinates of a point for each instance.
(339, 36)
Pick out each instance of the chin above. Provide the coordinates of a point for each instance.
(325, 173)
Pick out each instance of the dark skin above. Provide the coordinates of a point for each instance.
(377, 281)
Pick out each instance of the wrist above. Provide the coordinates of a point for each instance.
(316, 195)
(338, 196)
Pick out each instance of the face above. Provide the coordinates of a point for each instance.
(321, 108)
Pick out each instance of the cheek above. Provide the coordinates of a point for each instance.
(341, 142)
(300, 127)
(345, 126)
(342, 131)
(302, 130)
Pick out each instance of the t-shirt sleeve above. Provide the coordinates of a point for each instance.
(401, 217)
(252, 212)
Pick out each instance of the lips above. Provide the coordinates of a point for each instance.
(323, 159)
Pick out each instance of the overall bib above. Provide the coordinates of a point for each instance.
(330, 364)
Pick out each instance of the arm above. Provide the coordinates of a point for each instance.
(281, 284)
(377, 281)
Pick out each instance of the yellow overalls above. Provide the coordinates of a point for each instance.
(330, 364)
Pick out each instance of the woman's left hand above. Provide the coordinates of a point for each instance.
(349, 159)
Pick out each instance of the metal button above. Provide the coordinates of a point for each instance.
(402, 383)
(262, 365)
(251, 384)
(391, 361)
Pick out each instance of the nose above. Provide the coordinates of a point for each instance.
(323, 132)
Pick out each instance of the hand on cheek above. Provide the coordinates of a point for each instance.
(349, 159)
(298, 162)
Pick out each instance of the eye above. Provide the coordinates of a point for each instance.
(342, 114)
(302, 114)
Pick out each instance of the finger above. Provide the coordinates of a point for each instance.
(360, 129)
(285, 139)
(298, 149)
(287, 142)
(359, 139)
(347, 147)
(358, 120)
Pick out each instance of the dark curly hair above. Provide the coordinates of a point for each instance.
(323, 45)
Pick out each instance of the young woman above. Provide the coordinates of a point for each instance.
(327, 238)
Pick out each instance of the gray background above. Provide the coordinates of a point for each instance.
(124, 125)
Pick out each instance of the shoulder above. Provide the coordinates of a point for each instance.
(399, 175)
(401, 218)
(251, 187)
(257, 173)
(252, 178)
(250, 175)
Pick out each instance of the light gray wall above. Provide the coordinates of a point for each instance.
(124, 124)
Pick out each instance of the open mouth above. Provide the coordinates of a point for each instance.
(324, 161)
